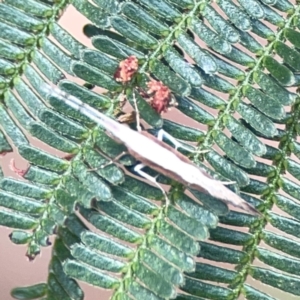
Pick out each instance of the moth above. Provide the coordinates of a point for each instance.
(156, 154)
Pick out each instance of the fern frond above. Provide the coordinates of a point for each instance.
(230, 73)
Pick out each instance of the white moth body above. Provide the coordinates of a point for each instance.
(156, 154)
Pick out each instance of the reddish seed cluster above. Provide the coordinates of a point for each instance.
(127, 68)
(160, 96)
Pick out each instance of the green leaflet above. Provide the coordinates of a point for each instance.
(229, 65)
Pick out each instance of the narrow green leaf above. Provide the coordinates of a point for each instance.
(24, 189)
(273, 89)
(280, 72)
(194, 111)
(160, 266)
(224, 28)
(172, 254)
(249, 42)
(227, 169)
(181, 67)
(96, 161)
(32, 7)
(140, 292)
(134, 201)
(57, 55)
(111, 148)
(207, 98)
(240, 57)
(4, 145)
(20, 237)
(11, 52)
(155, 282)
(289, 206)
(115, 48)
(229, 236)
(69, 285)
(141, 188)
(16, 220)
(273, 17)
(287, 225)
(133, 33)
(18, 110)
(228, 69)
(182, 132)
(278, 261)
(264, 103)
(47, 67)
(20, 19)
(239, 219)
(189, 225)
(97, 16)
(76, 189)
(206, 290)
(163, 9)
(253, 294)
(21, 204)
(43, 159)
(144, 19)
(238, 154)
(253, 8)
(262, 30)
(15, 35)
(195, 210)
(221, 254)
(293, 36)
(11, 128)
(245, 137)
(96, 260)
(237, 16)
(284, 5)
(217, 83)
(202, 58)
(213, 273)
(255, 187)
(104, 244)
(100, 61)
(257, 120)
(93, 76)
(215, 205)
(29, 97)
(290, 56)
(281, 243)
(178, 238)
(291, 187)
(52, 138)
(210, 37)
(66, 39)
(124, 214)
(30, 292)
(91, 181)
(282, 281)
(169, 78)
(112, 227)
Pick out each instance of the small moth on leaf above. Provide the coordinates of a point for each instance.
(156, 154)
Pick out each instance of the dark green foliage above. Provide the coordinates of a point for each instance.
(237, 85)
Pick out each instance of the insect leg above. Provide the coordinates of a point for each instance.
(110, 162)
(138, 168)
(161, 134)
(137, 113)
